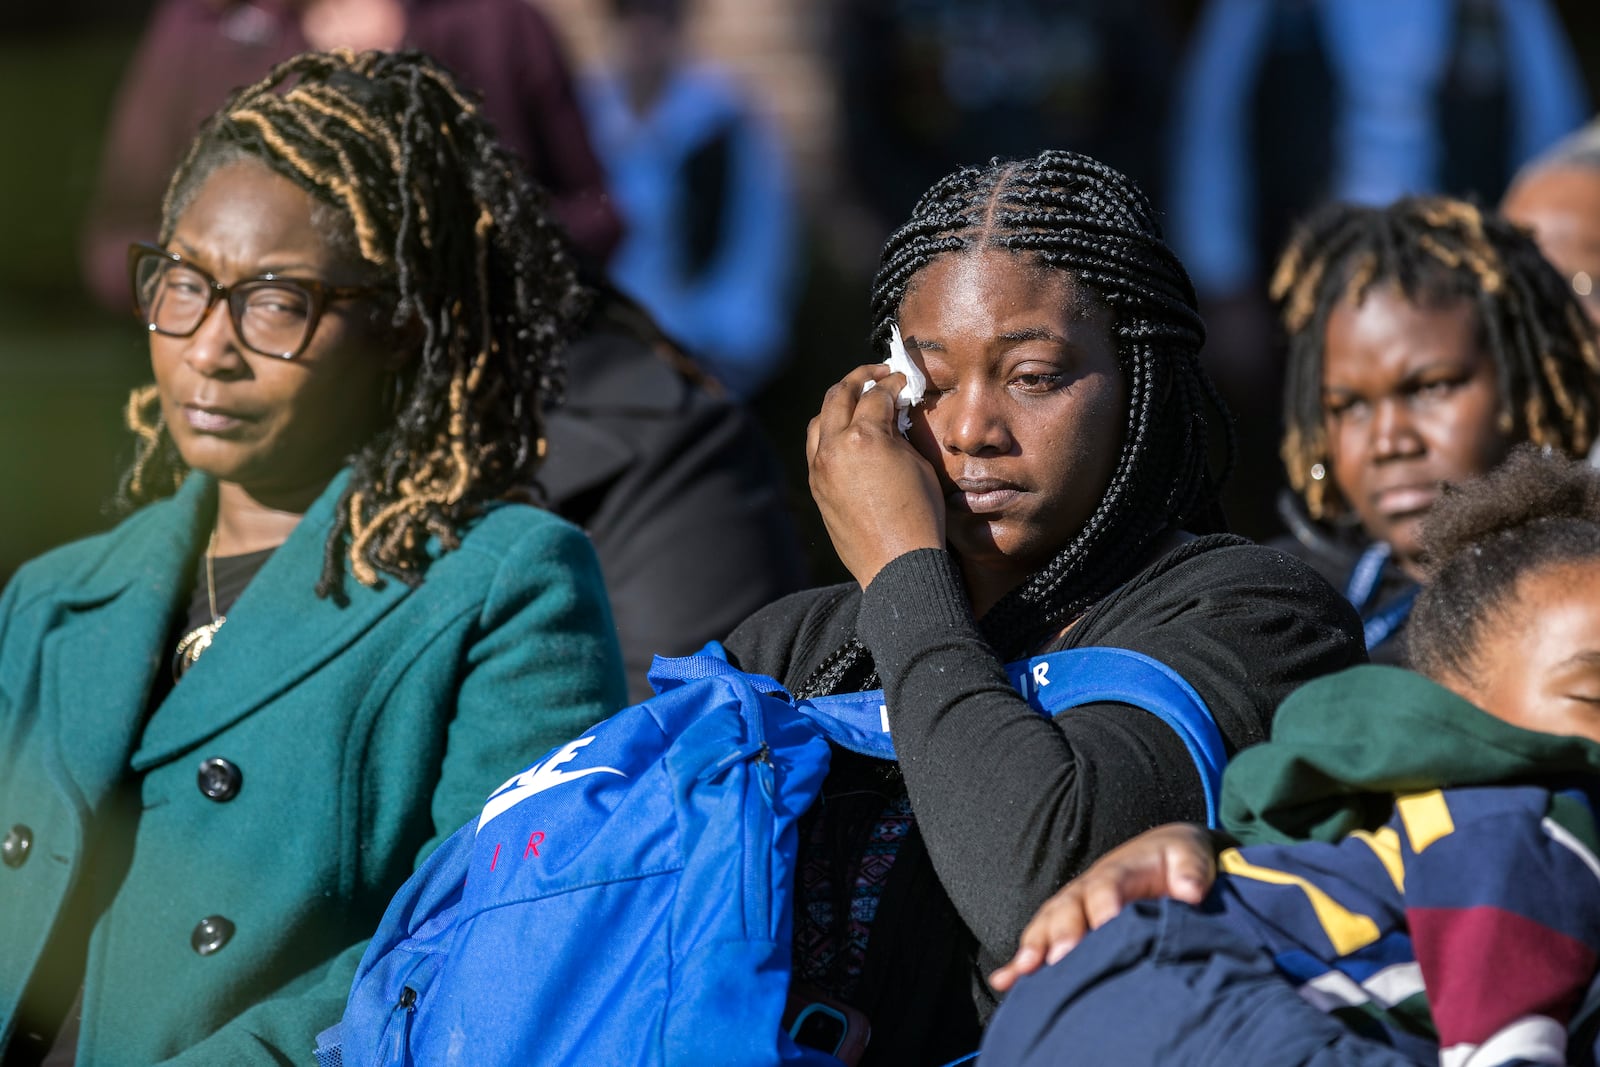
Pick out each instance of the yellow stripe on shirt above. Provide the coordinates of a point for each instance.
(1385, 844)
(1346, 930)
(1426, 817)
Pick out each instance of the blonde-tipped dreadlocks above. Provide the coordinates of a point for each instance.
(412, 180)
(1437, 251)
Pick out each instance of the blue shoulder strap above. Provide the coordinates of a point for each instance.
(1051, 683)
(1377, 624)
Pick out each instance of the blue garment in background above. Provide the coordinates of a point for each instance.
(1387, 60)
(703, 188)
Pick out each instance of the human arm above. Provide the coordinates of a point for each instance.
(1012, 804)
(878, 497)
(281, 1029)
(1178, 860)
(1547, 90)
(1211, 185)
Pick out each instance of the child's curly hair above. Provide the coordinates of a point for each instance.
(1537, 511)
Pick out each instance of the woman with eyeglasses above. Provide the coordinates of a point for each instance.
(1426, 340)
(231, 726)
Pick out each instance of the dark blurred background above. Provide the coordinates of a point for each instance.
(839, 81)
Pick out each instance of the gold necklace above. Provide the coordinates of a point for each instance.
(198, 639)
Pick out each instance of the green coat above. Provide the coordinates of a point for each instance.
(365, 735)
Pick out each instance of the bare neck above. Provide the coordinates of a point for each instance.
(248, 523)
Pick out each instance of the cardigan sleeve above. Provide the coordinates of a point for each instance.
(1012, 804)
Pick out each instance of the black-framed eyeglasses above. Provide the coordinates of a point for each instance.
(272, 315)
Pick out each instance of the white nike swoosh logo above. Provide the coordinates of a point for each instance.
(537, 779)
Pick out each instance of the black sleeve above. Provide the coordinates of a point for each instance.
(1012, 804)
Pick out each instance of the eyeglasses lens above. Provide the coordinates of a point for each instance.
(271, 317)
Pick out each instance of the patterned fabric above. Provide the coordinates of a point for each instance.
(820, 957)
(1469, 923)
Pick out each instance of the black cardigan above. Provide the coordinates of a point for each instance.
(1011, 805)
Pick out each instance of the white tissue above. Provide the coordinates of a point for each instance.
(900, 361)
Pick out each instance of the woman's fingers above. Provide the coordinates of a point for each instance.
(1191, 870)
(845, 403)
(1103, 899)
(840, 402)
(878, 497)
(1176, 861)
(1061, 921)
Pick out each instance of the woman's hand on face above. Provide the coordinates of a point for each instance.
(878, 497)
(1177, 860)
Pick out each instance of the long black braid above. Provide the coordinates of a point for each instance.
(411, 180)
(1079, 216)
(1437, 251)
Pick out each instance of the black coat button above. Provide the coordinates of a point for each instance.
(15, 846)
(210, 934)
(219, 779)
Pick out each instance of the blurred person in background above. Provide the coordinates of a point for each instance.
(1426, 339)
(1285, 104)
(232, 725)
(195, 51)
(701, 181)
(675, 483)
(1557, 196)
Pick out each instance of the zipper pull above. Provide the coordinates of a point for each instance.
(756, 750)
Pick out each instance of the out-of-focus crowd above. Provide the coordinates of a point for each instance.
(495, 349)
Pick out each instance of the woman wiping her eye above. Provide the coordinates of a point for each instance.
(1054, 491)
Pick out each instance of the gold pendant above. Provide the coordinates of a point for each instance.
(192, 645)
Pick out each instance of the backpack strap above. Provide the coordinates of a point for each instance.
(1052, 684)
(1103, 675)
(669, 672)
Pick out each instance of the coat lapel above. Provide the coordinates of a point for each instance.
(278, 632)
(103, 651)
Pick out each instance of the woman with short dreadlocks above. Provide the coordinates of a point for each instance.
(230, 727)
(1426, 339)
(1054, 492)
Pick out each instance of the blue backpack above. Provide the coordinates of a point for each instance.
(627, 899)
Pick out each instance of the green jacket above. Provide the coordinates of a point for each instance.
(1344, 745)
(364, 736)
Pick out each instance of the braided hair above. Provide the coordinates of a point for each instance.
(410, 179)
(1538, 510)
(1436, 250)
(1078, 215)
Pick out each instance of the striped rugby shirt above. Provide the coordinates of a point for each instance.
(1467, 926)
